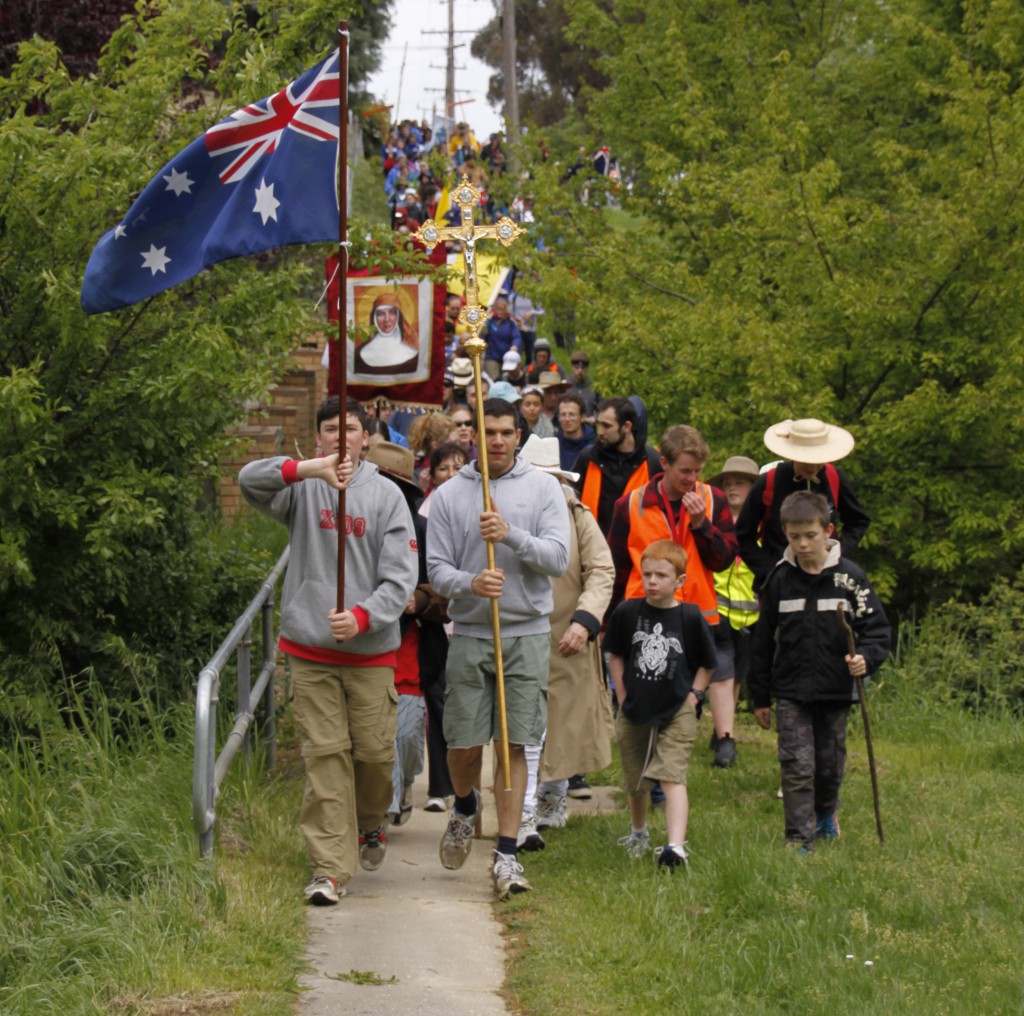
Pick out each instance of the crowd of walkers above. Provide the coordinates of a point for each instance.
(412, 186)
(632, 592)
(414, 178)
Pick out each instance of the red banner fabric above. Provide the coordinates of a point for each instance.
(398, 350)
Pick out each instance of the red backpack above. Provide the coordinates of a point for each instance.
(831, 478)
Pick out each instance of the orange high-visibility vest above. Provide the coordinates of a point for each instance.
(592, 484)
(648, 525)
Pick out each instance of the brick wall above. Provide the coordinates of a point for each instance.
(282, 423)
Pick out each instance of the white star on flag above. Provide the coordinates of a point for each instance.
(155, 259)
(179, 183)
(119, 231)
(266, 204)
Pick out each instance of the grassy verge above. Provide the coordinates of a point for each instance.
(104, 906)
(927, 923)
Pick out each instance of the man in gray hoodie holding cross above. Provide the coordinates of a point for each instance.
(529, 528)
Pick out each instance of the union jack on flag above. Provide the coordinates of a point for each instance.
(257, 129)
(262, 178)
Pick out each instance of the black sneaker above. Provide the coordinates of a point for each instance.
(579, 788)
(673, 856)
(725, 753)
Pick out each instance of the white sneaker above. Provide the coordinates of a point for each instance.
(529, 838)
(508, 876)
(552, 812)
(323, 891)
(437, 804)
(637, 844)
(457, 840)
(373, 848)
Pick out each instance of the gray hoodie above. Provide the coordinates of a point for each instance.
(381, 563)
(536, 548)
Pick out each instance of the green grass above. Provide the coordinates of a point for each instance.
(105, 908)
(104, 905)
(756, 929)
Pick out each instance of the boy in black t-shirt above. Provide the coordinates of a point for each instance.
(661, 657)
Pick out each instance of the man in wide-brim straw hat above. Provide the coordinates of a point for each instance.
(579, 710)
(811, 447)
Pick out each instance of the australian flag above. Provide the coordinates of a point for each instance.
(262, 178)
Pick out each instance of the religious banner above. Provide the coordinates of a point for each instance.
(396, 336)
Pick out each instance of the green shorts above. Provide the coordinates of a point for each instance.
(667, 758)
(471, 699)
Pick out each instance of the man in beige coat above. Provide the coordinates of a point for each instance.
(578, 738)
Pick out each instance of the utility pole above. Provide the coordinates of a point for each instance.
(508, 65)
(449, 76)
(401, 78)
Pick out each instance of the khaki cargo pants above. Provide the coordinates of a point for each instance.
(346, 717)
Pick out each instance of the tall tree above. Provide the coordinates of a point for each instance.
(111, 424)
(80, 29)
(820, 216)
(550, 72)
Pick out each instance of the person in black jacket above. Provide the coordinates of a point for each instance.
(801, 659)
(811, 447)
(617, 461)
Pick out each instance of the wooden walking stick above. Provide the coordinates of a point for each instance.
(851, 645)
(430, 234)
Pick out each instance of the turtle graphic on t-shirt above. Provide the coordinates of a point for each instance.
(652, 659)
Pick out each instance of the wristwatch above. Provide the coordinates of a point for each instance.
(700, 696)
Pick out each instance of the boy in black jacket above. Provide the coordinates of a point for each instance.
(800, 659)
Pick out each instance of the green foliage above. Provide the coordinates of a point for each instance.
(111, 426)
(368, 192)
(104, 904)
(363, 977)
(967, 654)
(550, 75)
(820, 215)
(755, 928)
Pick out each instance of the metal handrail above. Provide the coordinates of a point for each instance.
(208, 768)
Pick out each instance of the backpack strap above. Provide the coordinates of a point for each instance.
(766, 499)
(832, 478)
(767, 495)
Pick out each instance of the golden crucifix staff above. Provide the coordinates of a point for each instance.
(505, 231)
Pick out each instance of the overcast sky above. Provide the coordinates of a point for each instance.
(425, 58)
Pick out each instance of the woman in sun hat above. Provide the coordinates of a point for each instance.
(737, 612)
(809, 448)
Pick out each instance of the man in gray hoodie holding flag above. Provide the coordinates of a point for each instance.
(342, 662)
(529, 528)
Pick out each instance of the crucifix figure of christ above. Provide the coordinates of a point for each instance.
(505, 231)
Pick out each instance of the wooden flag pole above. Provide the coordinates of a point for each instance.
(342, 357)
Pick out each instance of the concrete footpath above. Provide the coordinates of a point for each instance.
(434, 932)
